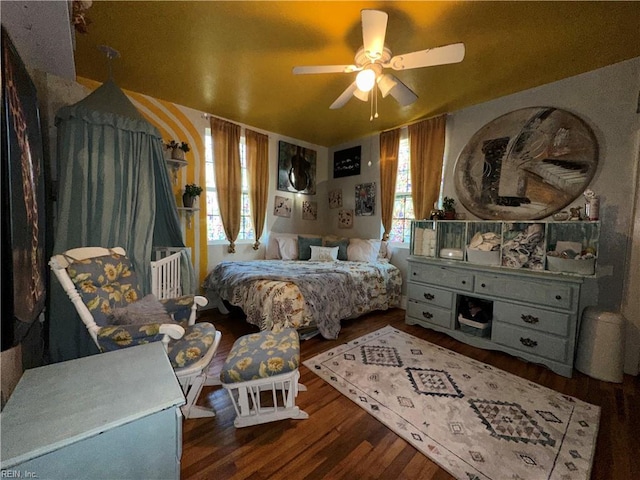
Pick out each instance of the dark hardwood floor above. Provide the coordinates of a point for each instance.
(341, 440)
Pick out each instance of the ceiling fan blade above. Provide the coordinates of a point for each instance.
(453, 53)
(325, 69)
(403, 94)
(344, 97)
(374, 29)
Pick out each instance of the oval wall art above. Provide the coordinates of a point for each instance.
(526, 164)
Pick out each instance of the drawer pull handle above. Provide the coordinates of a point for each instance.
(527, 342)
(429, 296)
(529, 318)
(427, 315)
(482, 285)
(558, 297)
(464, 282)
(415, 273)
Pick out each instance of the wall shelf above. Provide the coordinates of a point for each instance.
(188, 211)
(175, 165)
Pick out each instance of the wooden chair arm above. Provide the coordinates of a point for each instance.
(172, 330)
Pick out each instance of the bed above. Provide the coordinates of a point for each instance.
(276, 294)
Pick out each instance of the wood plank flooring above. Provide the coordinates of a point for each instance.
(341, 441)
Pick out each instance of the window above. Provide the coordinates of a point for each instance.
(215, 231)
(403, 204)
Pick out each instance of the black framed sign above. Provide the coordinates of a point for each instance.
(347, 162)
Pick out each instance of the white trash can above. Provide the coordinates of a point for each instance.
(601, 345)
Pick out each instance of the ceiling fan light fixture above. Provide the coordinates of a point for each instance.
(403, 94)
(366, 79)
(360, 95)
(386, 83)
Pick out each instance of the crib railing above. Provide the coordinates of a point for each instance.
(165, 276)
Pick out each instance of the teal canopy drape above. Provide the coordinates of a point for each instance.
(113, 190)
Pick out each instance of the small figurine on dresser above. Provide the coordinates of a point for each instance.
(575, 213)
(436, 213)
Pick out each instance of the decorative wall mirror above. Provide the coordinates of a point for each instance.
(526, 164)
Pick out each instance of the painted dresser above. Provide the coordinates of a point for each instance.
(535, 314)
(113, 415)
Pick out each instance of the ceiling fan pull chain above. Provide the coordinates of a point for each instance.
(375, 97)
(374, 102)
(371, 107)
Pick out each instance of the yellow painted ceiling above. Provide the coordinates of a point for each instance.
(234, 59)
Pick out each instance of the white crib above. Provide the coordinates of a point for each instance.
(166, 274)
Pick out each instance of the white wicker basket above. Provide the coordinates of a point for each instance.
(480, 257)
(569, 265)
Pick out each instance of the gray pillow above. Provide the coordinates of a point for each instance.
(146, 310)
(342, 247)
(304, 246)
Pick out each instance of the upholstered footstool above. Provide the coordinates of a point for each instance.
(259, 363)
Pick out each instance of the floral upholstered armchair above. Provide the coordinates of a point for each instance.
(104, 289)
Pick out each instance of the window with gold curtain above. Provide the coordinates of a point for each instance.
(226, 162)
(389, 145)
(426, 140)
(258, 172)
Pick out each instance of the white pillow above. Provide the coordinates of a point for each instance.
(272, 251)
(288, 247)
(360, 250)
(324, 254)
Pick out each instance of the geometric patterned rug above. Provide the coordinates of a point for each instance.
(475, 421)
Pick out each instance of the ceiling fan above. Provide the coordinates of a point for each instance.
(373, 57)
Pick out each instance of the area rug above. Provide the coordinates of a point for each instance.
(475, 421)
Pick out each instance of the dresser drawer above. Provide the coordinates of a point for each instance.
(550, 294)
(429, 313)
(442, 276)
(533, 318)
(430, 295)
(530, 341)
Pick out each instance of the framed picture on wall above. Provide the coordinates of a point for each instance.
(347, 162)
(309, 210)
(526, 164)
(282, 207)
(365, 199)
(296, 169)
(335, 198)
(24, 268)
(345, 218)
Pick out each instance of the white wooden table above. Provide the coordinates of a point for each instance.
(112, 415)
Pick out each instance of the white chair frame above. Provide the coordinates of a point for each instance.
(247, 402)
(191, 378)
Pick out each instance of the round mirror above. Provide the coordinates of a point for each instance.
(526, 164)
